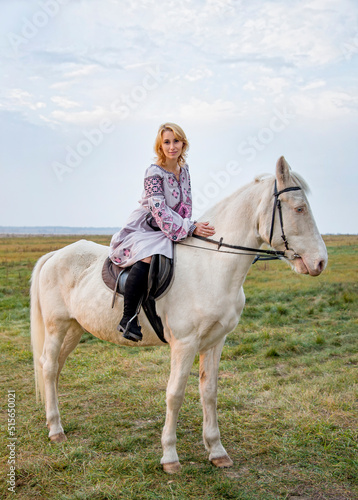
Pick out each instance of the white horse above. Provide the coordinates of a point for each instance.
(202, 306)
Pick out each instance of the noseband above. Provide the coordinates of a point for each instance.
(272, 254)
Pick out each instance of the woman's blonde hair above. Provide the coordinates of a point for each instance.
(178, 134)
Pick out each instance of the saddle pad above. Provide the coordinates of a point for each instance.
(110, 273)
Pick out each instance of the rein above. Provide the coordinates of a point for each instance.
(272, 254)
(252, 251)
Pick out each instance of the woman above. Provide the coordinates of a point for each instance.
(162, 218)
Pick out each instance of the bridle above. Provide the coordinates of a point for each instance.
(277, 204)
(272, 254)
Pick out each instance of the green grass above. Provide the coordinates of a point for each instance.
(287, 399)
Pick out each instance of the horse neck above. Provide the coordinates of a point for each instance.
(236, 218)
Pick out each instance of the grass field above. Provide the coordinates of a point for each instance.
(287, 398)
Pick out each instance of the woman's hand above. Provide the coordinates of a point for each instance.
(203, 229)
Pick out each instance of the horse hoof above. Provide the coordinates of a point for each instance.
(222, 462)
(58, 438)
(172, 467)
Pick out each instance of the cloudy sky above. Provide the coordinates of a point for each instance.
(86, 83)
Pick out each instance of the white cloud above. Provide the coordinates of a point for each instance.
(19, 99)
(63, 102)
(82, 71)
(325, 104)
(198, 109)
(81, 118)
(61, 85)
(316, 84)
(269, 85)
(219, 8)
(303, 33)
(196, 74)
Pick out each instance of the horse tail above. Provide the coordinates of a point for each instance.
(37, 325)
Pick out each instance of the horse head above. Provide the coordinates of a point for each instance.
(290, 226)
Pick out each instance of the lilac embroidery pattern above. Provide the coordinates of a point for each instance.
(153, 185)
(186, 193)
(183, 210)
(165, 221)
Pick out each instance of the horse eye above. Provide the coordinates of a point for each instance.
(299, 210)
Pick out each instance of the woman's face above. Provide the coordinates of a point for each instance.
(171, 146)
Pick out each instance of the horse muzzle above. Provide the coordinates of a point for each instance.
(303, 265)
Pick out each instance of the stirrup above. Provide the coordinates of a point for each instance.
(131, 331)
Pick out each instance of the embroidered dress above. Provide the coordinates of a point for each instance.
(162, 218)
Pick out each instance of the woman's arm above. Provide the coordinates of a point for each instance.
(170, 222)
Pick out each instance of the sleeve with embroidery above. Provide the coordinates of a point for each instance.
(171, 223)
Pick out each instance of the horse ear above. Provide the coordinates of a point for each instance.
(283, 172)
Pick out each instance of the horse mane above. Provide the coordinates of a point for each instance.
(298, 180)
(221, 206)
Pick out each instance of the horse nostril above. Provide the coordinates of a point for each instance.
(321, 265)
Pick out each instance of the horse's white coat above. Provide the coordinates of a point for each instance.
(202, 306)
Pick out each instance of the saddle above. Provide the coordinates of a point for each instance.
(161, 273)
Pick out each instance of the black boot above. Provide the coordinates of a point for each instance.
(135, 289)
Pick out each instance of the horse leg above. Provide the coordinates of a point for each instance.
(209, 366)
(73, 336)
(54, 336)
(182, 357)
